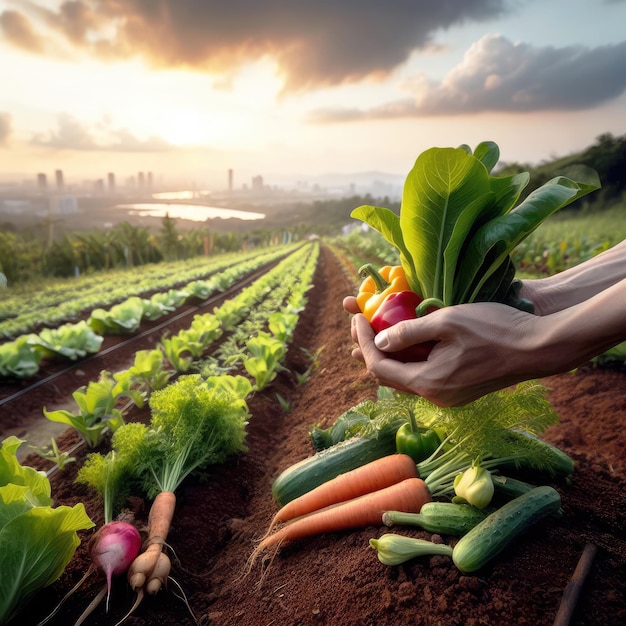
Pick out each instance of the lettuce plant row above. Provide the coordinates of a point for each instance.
(98, 412)
(21, 358)
(63, 300)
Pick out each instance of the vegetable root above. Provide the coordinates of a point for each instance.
(160, 519)
(113, 548)
(384, 472)
(408, 496)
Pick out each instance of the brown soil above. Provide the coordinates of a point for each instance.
(337, 579)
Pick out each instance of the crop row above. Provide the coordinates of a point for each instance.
(276, 298)
(22, 358)
(64, 300)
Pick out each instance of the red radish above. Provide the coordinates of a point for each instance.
(113, 548)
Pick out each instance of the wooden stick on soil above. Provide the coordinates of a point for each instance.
(574, 587)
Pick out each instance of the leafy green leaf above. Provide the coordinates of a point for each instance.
(502, 234)
(458, 224)
(437, 191)
(36, 541)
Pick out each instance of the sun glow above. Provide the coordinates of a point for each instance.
(187, 128)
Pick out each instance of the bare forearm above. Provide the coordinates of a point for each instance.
(572, 336)
(579, 283)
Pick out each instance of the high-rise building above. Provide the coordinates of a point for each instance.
(257, 183)
(230, 179)
(59, 180)
(111, 182)
(141, 180)
(149, 180)
(42, 182)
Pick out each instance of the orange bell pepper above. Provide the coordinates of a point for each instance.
(378, 285)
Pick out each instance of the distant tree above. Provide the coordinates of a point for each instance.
(168, 238)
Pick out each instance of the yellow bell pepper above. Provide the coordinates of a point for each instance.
(378, 285)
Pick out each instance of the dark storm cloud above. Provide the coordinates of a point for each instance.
(5, 128)
(314, 42)
(497, 75)
(73, 135)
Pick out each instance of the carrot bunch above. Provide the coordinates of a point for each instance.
(356, 499)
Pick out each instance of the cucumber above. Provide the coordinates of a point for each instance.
(444, 518)
(487, 539)
(345, 456)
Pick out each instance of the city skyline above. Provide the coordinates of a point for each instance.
(282, 95)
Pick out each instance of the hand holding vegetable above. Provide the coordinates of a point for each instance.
(385, 299)
(486, 346)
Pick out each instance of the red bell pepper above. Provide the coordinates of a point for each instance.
(397, 307)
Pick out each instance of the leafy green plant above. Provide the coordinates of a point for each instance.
(177, 351)
(54, 454)
(120, 319)
(70, 341)
(458, 224)
(285, 405)
(314, 363)
(37, 540)
(282, 325)
(230, 313)
(146, 374)
(18, 359)
(97, 414)
(262, 361)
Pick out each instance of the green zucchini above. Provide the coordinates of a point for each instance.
(325, 465)
(487, 539)
(510, 487)
(444, 518)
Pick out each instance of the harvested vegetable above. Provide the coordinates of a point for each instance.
(443, 518)
(368, 478)
(116, 543)
(418, 443)
(362, 434)
(371, 419)
(391, 304)
(474, 486)
(195, 423)
(488, 538)
(378, 285)
(408, 495)
(395, 549)
(458, 224)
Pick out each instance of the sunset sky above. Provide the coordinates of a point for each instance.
(300, 88)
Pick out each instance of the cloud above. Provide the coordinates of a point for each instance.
(72, 135)
(5, 128)
(19, 32)
(314, 44)
(498, 75)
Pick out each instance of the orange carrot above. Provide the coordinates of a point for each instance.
(370, 477)
(366, 510)
(159, 523)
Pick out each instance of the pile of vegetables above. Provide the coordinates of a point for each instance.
(471, 450)
(457, 227)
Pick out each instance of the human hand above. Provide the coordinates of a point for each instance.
(480, 348)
